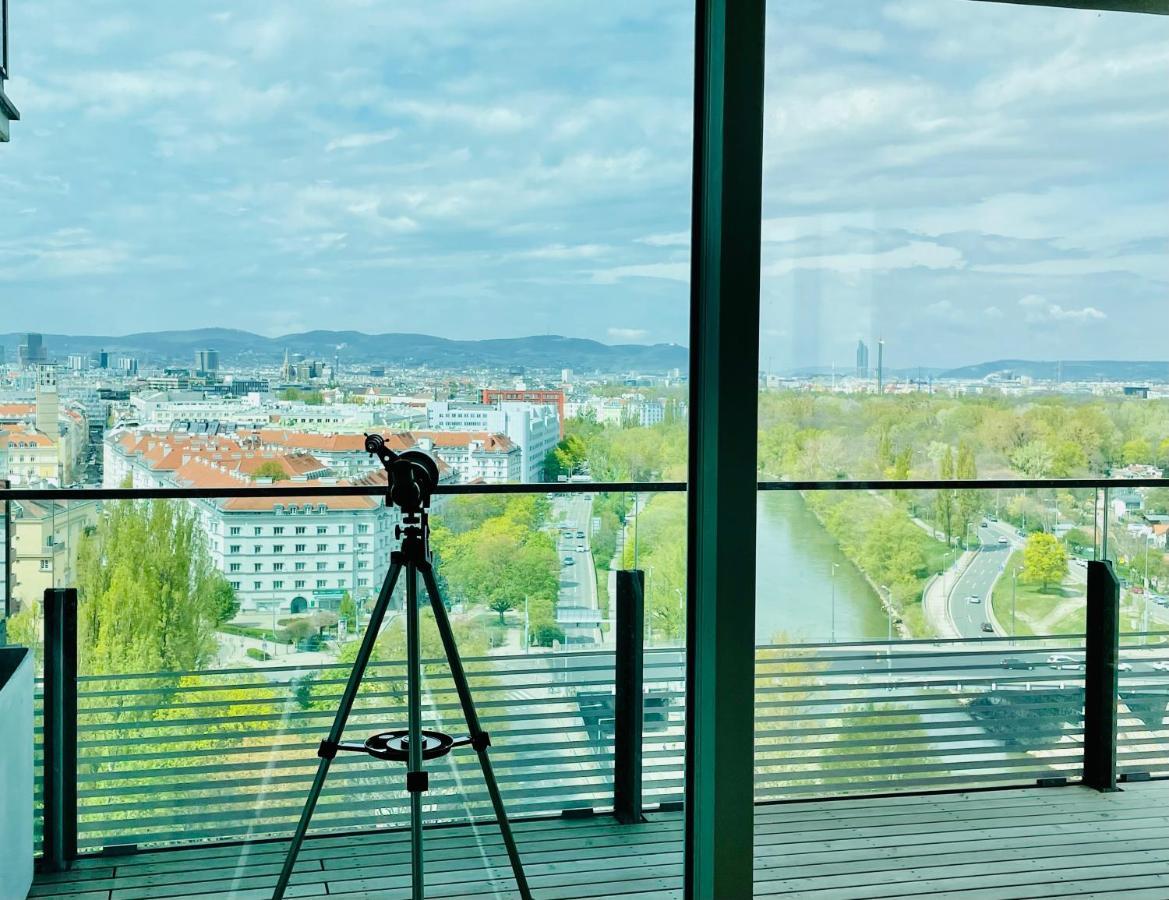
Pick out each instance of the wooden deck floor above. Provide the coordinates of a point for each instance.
(1042, 842)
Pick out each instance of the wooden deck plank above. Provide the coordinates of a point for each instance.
(1038, 842)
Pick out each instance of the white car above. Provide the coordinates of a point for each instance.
(1124, 667)
(973, 598)
(580, 548)
(1161, 666)
(1059, 660)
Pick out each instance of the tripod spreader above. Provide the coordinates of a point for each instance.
(394, 746)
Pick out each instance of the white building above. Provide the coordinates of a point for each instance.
(281, 554)
(533, 428)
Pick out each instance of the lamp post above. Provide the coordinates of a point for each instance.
(1148, 540)
(1014, 588)
(889, 638)
(527, 623)
(835, 566)
(681, 608)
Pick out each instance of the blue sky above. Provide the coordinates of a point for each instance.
(967, 180)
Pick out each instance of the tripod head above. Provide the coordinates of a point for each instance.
(411, 475)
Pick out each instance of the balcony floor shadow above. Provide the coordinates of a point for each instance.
(1032, 842)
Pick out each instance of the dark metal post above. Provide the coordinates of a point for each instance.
(60, 729)
(629, 699)
(724, 391)
(1101, 658)
(7, 552)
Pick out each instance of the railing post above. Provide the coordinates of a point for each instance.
(1101, 659)
(59, 832)
(629, 702)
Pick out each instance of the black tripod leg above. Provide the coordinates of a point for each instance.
(477, 735)
(329, 747)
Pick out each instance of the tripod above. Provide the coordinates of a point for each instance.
(411, 479)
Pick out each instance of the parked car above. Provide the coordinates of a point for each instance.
(1012, 662)
(988, 628)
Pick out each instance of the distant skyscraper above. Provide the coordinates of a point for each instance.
(207, 361)
(862, 360)
(48, 403)
(880, 367)
(32, 351)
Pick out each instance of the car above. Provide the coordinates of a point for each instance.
(1003, 540)
(1124, 667)
(569, 561)
(581, 548)
(1161, 601)
(1058, 659)
(973, 598)
(1161, 666)
(1012, 662)
(987, 627)
(580, 535)
(985, 524)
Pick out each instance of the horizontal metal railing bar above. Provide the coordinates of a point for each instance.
(310, 489)
(377, 667)
(873, 686)
(306, 763)
(1001, 765)
(316, 489)
(296, 798)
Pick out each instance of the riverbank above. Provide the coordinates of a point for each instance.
(895, 557)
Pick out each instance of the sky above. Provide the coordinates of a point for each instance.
(968, 181)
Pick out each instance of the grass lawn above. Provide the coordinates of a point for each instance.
(1034, 606)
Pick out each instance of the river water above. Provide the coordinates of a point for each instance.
(795, 582)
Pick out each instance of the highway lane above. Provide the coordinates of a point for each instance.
(979, 578)
(578, 586)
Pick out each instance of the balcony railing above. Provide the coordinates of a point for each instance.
(174, 758)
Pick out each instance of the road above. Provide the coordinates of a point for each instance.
(577, 608)
(979, 578)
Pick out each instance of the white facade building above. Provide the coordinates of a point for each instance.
(533, 428)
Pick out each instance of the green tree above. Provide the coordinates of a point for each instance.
(1078, 540)
(1136, 450)
(502, 605)
(944, 501)
(269, 469)
(1034, 459)
(347, 610)
(1044, 560)
(149, 598)
(968, 502)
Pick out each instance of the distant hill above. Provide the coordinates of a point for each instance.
(1067, 370)
(235, 347)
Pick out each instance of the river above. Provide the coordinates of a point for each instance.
(795, 580)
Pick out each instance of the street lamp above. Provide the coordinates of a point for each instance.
(889, 639)
(1148, 540)
(1014, 588)
(835, 566)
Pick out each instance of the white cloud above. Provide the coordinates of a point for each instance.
(915, 254)
(360, 139)
(1038, 309)
(672, 271)
(627, 334)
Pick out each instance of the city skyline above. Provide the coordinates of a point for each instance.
(474, 172)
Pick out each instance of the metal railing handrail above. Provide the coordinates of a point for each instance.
(315, 489)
